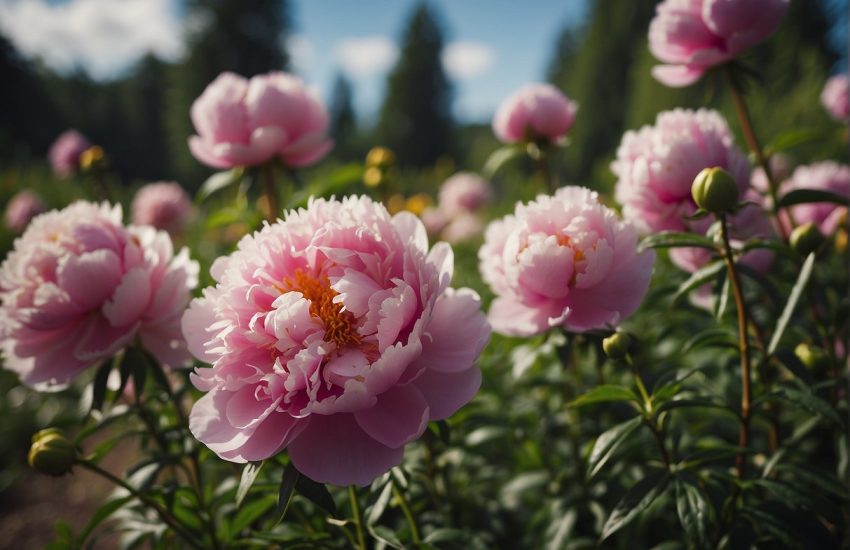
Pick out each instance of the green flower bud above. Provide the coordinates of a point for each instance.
(812, 357)
(617, 345)
(806, 238)
(52, 453)
(715, 190)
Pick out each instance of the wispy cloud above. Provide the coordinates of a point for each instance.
(301, 52)
(467, 60)
(102, 36)
(366, 56)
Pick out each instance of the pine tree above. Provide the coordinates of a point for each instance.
(416, 119)
(343, 119)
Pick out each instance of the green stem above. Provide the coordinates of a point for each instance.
(405, 508)
(649, 416)
(546, 172)
(163, 514)
(743, 344)
(358, 520)
(270, 192)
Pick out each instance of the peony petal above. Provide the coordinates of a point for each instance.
(209, 425)
(130, 299)
(399, 416)
(270, 437)
(90, 278)
(447, 392)
(456, 334)
(677, 76)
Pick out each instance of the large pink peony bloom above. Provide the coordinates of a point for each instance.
(65, 152)
(79, 286)
(244, 122)
(563, 260)
(538, 113)
(333, 334)
(163, 205)
(21, 209)
(826, 176)
(835, 97)
(692, 36)
(464, 192)
(656, 166)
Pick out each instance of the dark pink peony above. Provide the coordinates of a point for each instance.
(79, 286)
(539, 112)
(65, 152)
(163, 205)
(333, 334)
(21, 209)
(563, 260)
(243, 122)
(691, 36)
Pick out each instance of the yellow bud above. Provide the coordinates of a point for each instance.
(617, 345)
(52, 453)
(380, 157)
(806, 238)
(92, 158)
(715, 190)
(417, 203)
(373, 176)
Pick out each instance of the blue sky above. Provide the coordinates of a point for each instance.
(493, 46)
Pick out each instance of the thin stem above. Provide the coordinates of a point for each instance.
(549, 177)
(358, 520)
(405, 508)
(743, 344)
(753, 144)
(270, 192)
(647, 419)
(163, 514)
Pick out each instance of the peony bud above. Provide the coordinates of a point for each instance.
(715, 190)
(617, 345)
(52, 453)
(92, 158)
(417, 203)
(373, 176)
(812, 357)
(380, 157)
(806, 238)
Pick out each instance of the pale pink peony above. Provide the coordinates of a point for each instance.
(656, 166)
(780, 169)
(21, 209)
(79, 286)
(333, 334)
(692, 36)
(835, 97)
(463, 227)
(539, 112)
(65, 152)
(563, 260)
(434, 220)
(163, 205)
(464, 192)
(825, 176)
(244, 122)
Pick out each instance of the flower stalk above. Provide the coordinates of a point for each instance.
(358, 519)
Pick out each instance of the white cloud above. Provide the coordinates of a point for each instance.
(467, 60)
(103, 36)
(301, 52)
(366, 56)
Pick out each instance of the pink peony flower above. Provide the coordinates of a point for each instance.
(826, 176)
(692, 36)
(563, 260)
(462, 227)
(163, 205)
(538, 113)
(244, 122)
(22, 208)
(835, 97)
(434, 220)
(65, 152)
(656, 166)
(79, 286)
(333, 334)
(464, 192)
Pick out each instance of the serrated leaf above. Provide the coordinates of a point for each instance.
(699, 278)
(317, 493)
(286, 490)
(607, 443)
(801, 196)
(793, 298)
(499, 157)
(674, 239)
(693, 509)
(604, 394)
(249, 475)
(635, 501)
(219, 181)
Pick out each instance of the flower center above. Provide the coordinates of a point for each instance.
(340, 326)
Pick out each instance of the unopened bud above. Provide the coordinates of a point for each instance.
(380, 157)
(92, 158)
(373, 176)
(52, 453)
(812, 357)
(806, 238)
(617, 345)
(715, 190)
(417, 203)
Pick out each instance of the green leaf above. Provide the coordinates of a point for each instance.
(99, 385)
(317, 493)
(380, 505)
(791, 362)
(604, 394)
(800, 196)
(699, 278)
(794, 138)
(249, 475)
(810, 402)
(793, 298)
(219, 181)
(722, 300)
(224, 216)
(825, 481)
(499, 157)
(386, 535)
(251, 512)
(799, 496)
(674, 239)
(286, 491)
(636, 500)
(693, 509)
(101, 514)
(717, 337)
(607, 443)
